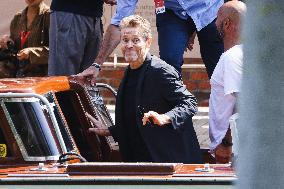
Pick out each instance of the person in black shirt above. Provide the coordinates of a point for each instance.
(75, 35)
(153, 116)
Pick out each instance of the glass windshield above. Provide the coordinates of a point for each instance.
(62, 126)
(32, 126)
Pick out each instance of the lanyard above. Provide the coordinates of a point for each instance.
(160, 6)
(24, 37)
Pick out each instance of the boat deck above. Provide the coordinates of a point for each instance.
(76, 174)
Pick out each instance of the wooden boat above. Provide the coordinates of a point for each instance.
(44, 141)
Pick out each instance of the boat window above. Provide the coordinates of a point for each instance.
(31, 124)
(72, 109)
(69, 143)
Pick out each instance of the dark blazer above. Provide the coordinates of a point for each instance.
(160, 89)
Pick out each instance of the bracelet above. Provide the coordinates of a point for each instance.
(96, 65)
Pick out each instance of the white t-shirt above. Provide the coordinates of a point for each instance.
(225, 81)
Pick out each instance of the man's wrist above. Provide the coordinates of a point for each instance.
(166, 119)
(96, 65)
(226, 143)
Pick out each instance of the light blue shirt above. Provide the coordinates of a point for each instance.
(202, 12)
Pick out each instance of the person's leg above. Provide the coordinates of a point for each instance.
(66, 43)
(173, 34)
(211, 47)
(93, 43)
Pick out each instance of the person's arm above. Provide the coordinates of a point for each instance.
(158, 119)
(35, 55)
(102, 130)
(38, 53)
(223, 152)
(184, 103)
(99, 129)
(111, 38)
(232, 79)
(110, 42)
(3, 41)
(175, 92)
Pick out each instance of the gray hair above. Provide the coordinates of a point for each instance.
(136, 21)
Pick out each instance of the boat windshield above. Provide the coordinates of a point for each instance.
(32, 127)
(68, 140)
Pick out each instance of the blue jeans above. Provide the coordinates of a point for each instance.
(173, 35)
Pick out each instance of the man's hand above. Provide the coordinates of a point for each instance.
(158, 119)
(99, 128)
(24, 54)
(190, 42)
(89, 74)
(110, 2)
(3, 41)
(110, 42)
(223, 154)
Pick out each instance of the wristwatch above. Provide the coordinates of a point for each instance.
(226, 143)
(96, 65)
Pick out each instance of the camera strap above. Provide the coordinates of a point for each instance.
(24, 36)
